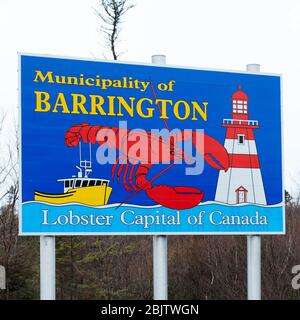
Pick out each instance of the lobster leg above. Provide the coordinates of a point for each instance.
(114, 169)
(120, 171)
(127, 188)
(119, 161)
(130, 177)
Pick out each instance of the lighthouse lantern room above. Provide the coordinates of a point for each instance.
(242, 182)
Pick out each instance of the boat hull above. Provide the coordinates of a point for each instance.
(91, 196)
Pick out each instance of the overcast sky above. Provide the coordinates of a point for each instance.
(201, 33)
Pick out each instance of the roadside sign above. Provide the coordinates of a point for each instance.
(119, 148)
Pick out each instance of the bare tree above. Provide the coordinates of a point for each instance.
(111, 13)
(9, 175)
(5, 167)
(9, 186)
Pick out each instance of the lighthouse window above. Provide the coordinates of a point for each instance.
(241, 138)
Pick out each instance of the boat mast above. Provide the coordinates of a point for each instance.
(85, 166)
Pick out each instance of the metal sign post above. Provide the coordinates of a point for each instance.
(160, 244)
(254, 267)
(2, 278)
(160, 268)
(254, 246)
(47, 268)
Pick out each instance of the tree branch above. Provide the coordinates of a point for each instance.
(111, 13)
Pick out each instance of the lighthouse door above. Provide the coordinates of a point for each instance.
(241, 195)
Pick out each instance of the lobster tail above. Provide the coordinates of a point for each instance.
(76, 133)
(83, 132)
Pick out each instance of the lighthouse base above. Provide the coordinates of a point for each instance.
(233, 179)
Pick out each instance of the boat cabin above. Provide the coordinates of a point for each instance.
(73, 183)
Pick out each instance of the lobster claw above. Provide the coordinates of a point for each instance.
(178, 198)
(213, 151)
(215, 154)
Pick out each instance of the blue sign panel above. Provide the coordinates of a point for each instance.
(119, 148)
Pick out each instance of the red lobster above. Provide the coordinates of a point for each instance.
(174, 197)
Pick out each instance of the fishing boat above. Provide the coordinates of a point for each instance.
(79, 189)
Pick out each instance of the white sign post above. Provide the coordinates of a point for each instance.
(47, 268)
(254, 246)
(160, 244)
(160, 268)
(254, 267)
(2, 278)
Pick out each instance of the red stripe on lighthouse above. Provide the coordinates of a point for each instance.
(243, 161)
(232, 133)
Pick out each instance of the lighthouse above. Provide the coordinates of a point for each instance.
(242, 182)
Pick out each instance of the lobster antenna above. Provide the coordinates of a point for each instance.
(155, 97)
